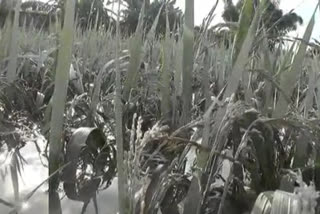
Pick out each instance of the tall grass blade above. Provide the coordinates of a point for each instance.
(289, 79)
(188, 40)
(96, 23)
(165, 73)
(89, 26)
(177, 80)
(313, 73)
(152, 32)
(122, 192)
(267, 64)
(244, 25)
(135, 49)
(205, 79)
(59, 98)
(4, 41)
(13, 56)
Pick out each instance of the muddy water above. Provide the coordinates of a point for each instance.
(107, 202)
(33, 174)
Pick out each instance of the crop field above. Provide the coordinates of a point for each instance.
(136, 110)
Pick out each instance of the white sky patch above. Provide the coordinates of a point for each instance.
(305, 9)
(202, 8)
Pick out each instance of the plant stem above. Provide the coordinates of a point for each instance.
(119, 133)
(188, 37)
(59, 99)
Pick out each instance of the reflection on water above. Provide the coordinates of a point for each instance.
(34, 173)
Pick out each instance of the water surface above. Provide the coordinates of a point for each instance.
(34, 173)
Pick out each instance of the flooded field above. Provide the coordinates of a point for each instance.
(34, 172)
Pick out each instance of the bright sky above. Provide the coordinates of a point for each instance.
(304, 8)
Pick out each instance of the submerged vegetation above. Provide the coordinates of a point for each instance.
(208, 119)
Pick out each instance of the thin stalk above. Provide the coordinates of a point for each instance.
(12, 67)
(165, 74)
(188, 37)
(118, 116)
(59, 100)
